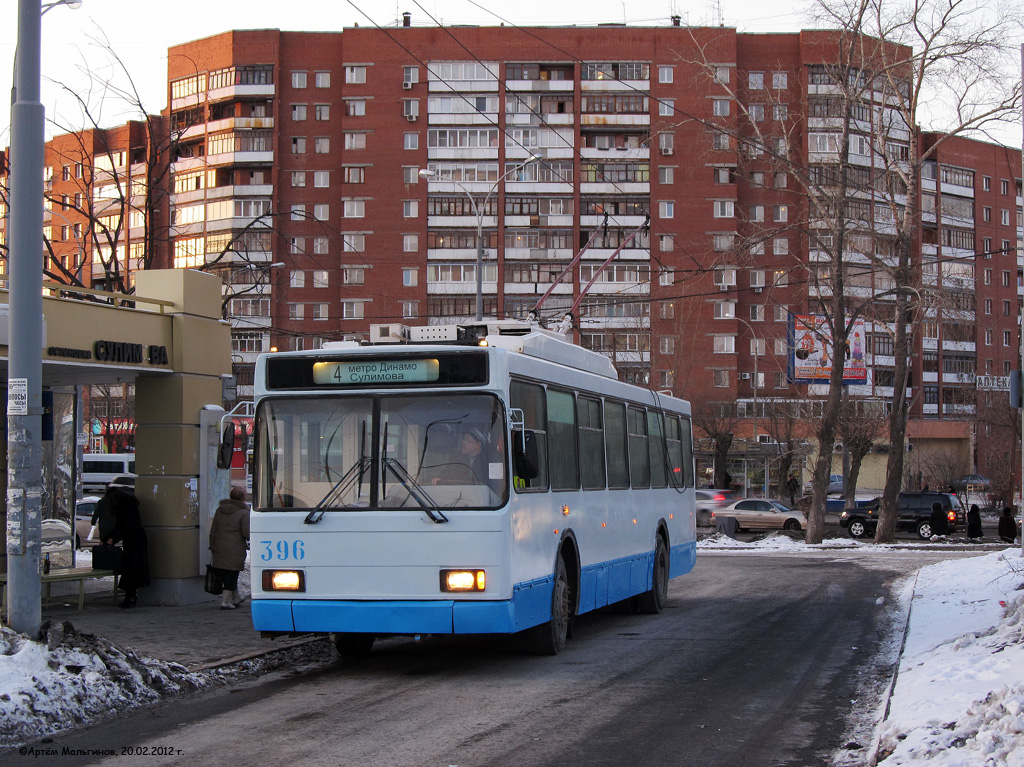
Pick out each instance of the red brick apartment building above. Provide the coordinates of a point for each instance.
(338, 179)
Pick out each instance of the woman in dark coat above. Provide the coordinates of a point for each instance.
(938, 521)
(128, 531)
(974, 522)
(229, 540)
(1007, 526)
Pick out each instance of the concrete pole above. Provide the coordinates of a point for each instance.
(24, 384)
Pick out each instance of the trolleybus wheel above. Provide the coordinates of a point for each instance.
(349, 644)
(653, 602)
(549, 638)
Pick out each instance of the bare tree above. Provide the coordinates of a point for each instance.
(861, 424)
(717, 421)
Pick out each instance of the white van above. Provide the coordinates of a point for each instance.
(98, 469)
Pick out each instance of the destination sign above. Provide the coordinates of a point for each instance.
(397, 371)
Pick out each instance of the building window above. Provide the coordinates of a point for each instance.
(322, 112)
(298, 179)
(723, 243)
(666, 310)
(410, 208)
(411, 175)
(298, 79)
(666, 107)
(666, 243)
(352, 310)
(755, 112)
(720, 378)
(780, 80)
(986, 183)
(354, 175)
(666, 209)
(354, 209)
(780, 213)
(355, 141)
(355, 74)
(298, 112)
(322, 79)
(665, 74)
(321, 179)
(721, 141)
(410, 75)
(755, 81)
(353, 242)
(410, 310)
(1006, 338)
(666, 142)
(322, 212)
(412, 141)
(320, 246)
(352, 275)
(724, 175)
(410, 277)
(297, 279)
(756, 213)
(724, 344)
(724, 209)
(1004, 187)
(666, 175)
(780, 112)
(720, 107)
(410, 243)
(322, 144)
(298, 212)
(757, 312)
(355, 108)
(296, 311)
(298, 144)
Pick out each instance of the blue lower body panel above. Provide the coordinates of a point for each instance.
(529, 606)
(601, 584)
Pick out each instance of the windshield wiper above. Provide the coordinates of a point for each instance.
(342, 486)
(415, 490)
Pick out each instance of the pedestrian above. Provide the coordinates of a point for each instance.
(792, 486)
(229, 539)
(105, 514)
(938, 521)
(128, 531)
(974, 522)
(1007, 526)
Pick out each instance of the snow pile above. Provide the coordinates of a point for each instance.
(959, 695)
(70, 678)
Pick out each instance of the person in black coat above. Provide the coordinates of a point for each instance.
(128, 531)
(974, 522)
(1007, 526)
(938, 521)
(105, 514)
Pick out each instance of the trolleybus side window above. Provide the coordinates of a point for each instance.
(591, 443)
(530, 399)
(639, 459)
(615, 441)
(659, 469)
(563, 466)
(677, 475)
(687, 438)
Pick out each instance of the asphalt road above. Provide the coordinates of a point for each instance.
(757, 660)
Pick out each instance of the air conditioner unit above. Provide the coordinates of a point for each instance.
(407, 85)
(744, 376)
(666, 150)
(758, 290)
(723, 287)
(411, 118)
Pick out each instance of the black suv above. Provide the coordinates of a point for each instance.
(913, 514)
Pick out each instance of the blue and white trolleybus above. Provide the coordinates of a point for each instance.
(475, 479)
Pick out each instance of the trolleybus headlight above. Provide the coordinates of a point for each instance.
(463, 580)
(284, 580)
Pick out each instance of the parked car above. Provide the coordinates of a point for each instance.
(761, 514)
(124, 481)
(913, 514)
(84, 510)
(710, 500)
(971, 480)
(835, 485)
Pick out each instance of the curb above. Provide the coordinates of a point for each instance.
(270, 651)
(876, 740)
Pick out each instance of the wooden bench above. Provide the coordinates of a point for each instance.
(62, 575)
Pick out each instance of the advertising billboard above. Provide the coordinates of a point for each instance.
(811, 351)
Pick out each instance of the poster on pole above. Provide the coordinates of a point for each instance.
(811, 351)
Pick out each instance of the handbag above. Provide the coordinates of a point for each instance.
(214, 584)
(107, 557)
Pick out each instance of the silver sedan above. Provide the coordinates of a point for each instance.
(761, 514)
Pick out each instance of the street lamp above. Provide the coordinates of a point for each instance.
(24, 347)
(479, 211)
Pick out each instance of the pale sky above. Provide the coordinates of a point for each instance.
(140, 31)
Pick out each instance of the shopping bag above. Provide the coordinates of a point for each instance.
(94, 533)
(214, 584)
(107, 557)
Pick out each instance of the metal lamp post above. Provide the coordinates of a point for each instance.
(478, 211)
(25, 296)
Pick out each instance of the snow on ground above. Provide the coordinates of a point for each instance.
(958, 700)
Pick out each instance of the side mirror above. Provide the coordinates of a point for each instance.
(525, 460)
(226, 449)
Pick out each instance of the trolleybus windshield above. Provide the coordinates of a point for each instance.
(395, 451)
